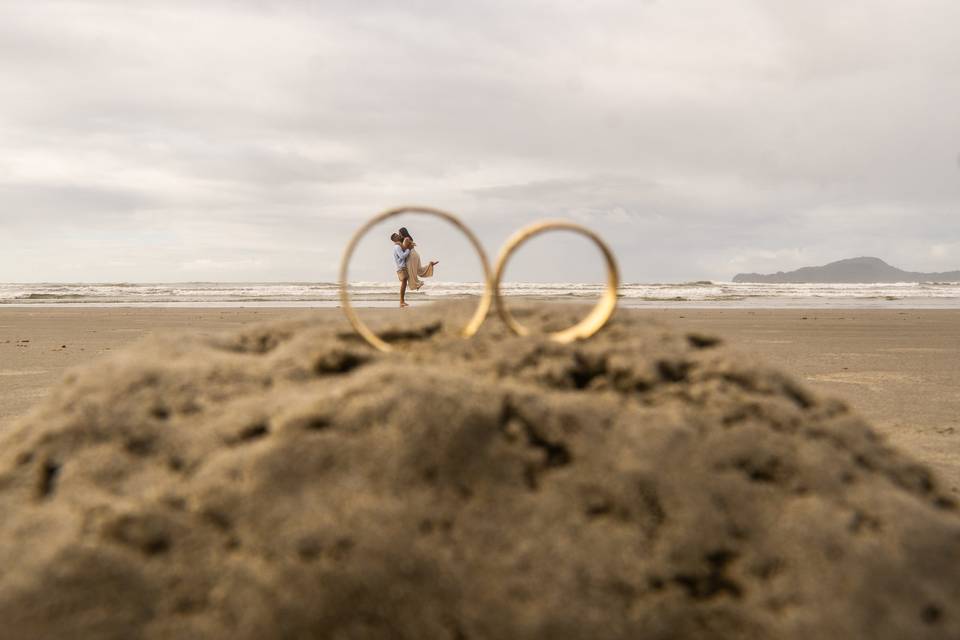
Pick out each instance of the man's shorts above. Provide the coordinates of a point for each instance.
(401, 274)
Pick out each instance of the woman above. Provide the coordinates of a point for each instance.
(414, 270)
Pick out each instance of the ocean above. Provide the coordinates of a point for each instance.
(702, 294)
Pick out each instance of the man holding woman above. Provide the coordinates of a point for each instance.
(407, 263)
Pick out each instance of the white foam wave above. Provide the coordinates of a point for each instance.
(947, 294)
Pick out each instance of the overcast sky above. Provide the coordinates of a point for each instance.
(190, 140)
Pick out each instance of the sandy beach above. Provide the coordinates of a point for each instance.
(896, 368)
(282, 479)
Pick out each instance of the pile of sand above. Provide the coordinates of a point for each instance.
(288, 482)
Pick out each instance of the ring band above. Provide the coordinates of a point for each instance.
(600, 314)
(479, 315)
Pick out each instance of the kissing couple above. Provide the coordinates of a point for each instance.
(407, 263)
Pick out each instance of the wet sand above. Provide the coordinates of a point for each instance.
(899, 369)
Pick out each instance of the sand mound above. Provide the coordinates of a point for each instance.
(288, 482)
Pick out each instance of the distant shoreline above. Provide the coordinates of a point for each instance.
(626, 303)
(325, 295)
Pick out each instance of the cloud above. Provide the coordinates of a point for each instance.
(694, 138)
(205, 265)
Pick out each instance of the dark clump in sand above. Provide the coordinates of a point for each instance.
(289, 482)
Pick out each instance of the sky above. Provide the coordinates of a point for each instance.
(184, 140)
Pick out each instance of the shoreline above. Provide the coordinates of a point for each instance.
(795, 304)
(323, 295)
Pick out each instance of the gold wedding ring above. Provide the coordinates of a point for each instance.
(479, 315)
(587, 327)
(600, 314)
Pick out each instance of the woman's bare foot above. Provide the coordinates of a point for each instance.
(403, 304)
(433, 262)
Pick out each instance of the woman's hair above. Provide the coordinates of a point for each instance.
(395, 236)
(405, 234)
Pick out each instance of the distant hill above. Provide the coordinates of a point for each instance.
(851, 270)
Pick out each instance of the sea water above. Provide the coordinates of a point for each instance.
(375, 294)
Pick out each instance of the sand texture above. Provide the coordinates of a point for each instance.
(286, 481)
(38, 344)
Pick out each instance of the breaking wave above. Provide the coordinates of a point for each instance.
(702, 292)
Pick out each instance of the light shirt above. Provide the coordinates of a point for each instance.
(400, 257)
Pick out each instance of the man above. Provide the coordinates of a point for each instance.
(400, 255)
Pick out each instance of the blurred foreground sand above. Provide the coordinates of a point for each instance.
(285, 480)
(898, 368)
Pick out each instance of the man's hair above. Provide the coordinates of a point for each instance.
(395, 237)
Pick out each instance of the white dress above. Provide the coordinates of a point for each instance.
(415, 271)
